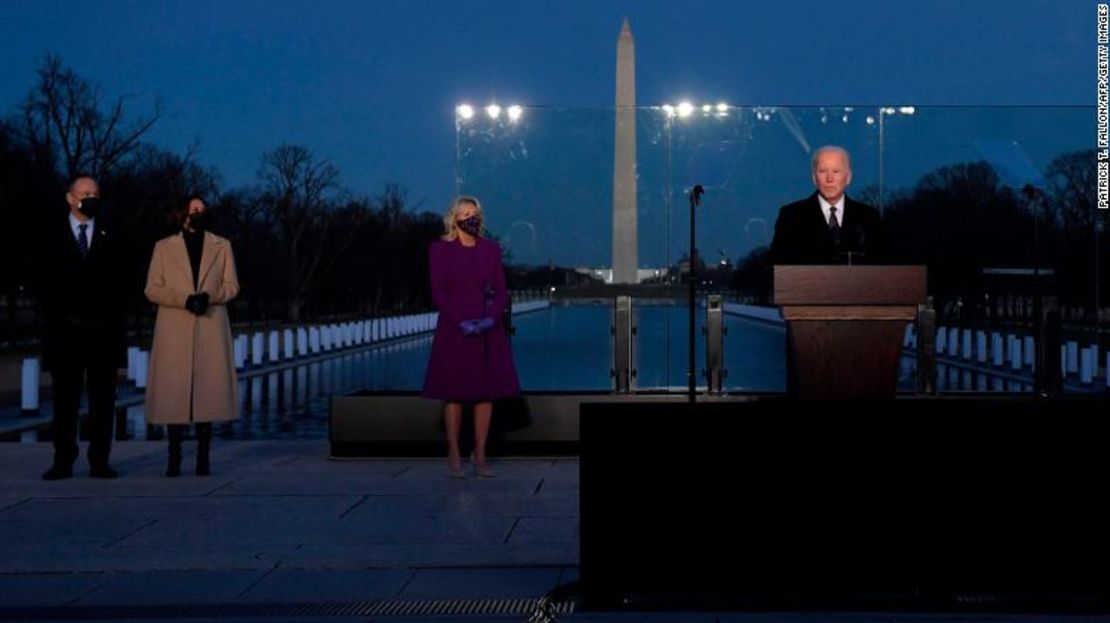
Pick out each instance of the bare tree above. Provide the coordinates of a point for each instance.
(302, 195)
(63, 112)
(1071, 187)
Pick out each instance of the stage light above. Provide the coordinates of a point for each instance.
(515, 112)
(706, 108)
(667, 108)
(907, 110)
(493, 110)
(465, 111)
(685, 109)
(722, 107)
(870, 120)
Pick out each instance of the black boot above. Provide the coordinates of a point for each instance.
(204, 444)
(175, 433)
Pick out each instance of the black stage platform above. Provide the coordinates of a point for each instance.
(970, 503)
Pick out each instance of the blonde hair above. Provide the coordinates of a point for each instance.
(450, 229)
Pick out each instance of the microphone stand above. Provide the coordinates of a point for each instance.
(695, 200)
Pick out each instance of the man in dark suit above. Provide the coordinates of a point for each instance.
(82, 290)
(828, 227)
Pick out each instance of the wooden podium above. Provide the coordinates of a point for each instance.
(844, 327)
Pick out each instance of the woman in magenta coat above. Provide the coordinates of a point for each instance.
(471, 361)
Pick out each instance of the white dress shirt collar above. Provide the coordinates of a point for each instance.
(825, 205)
(75, 225)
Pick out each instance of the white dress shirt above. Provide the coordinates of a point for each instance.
(825, 205)
(75, 224)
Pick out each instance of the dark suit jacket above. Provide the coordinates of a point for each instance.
(82, 299)
(802, 235)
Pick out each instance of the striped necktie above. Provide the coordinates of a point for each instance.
(82, 239)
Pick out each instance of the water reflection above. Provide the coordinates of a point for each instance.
(564, 348)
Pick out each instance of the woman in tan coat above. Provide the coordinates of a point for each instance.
(192, 371)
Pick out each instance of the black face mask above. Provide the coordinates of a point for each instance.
(90, 206)
(472, 225)
(198, 221)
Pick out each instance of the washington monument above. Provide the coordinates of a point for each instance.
(625, 250)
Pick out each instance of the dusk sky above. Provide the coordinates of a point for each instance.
(372, 85)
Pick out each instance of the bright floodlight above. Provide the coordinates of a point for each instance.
(722, 107)
(870, 120)
(465, 111)
(667, 108)
(685, 109)
(493, 110)
(706, 108)
(907, 110)
(515, 112)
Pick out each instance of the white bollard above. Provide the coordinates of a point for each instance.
(942, 340)
(1027, 343)
(997, 353)
(32, 371)
(302, 342)
(256, 349)
(314, 339)
(376, 329)
(287, 338)
(141, 368)
(356, 329)
(953, 343)
(132, 355)
(967, 344)
(1086, 366)
(325, 338)
(240, 351)
(275, 354)
(1073, 357)
(981, 346)
(1015, 354)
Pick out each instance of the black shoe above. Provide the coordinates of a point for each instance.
(173, 470)
(58, 472)
(103, 471)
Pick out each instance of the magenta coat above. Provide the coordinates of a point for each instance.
(468, 283)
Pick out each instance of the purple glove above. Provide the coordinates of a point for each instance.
(484, 325)
(468, 327)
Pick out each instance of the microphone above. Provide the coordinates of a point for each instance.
(695, 195)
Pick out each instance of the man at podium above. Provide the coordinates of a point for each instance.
(828, 227)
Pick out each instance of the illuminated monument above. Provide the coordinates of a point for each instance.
(625, 250)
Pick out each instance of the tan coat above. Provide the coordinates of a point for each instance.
(191, 360)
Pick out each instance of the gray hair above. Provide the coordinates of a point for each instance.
(827, 148)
